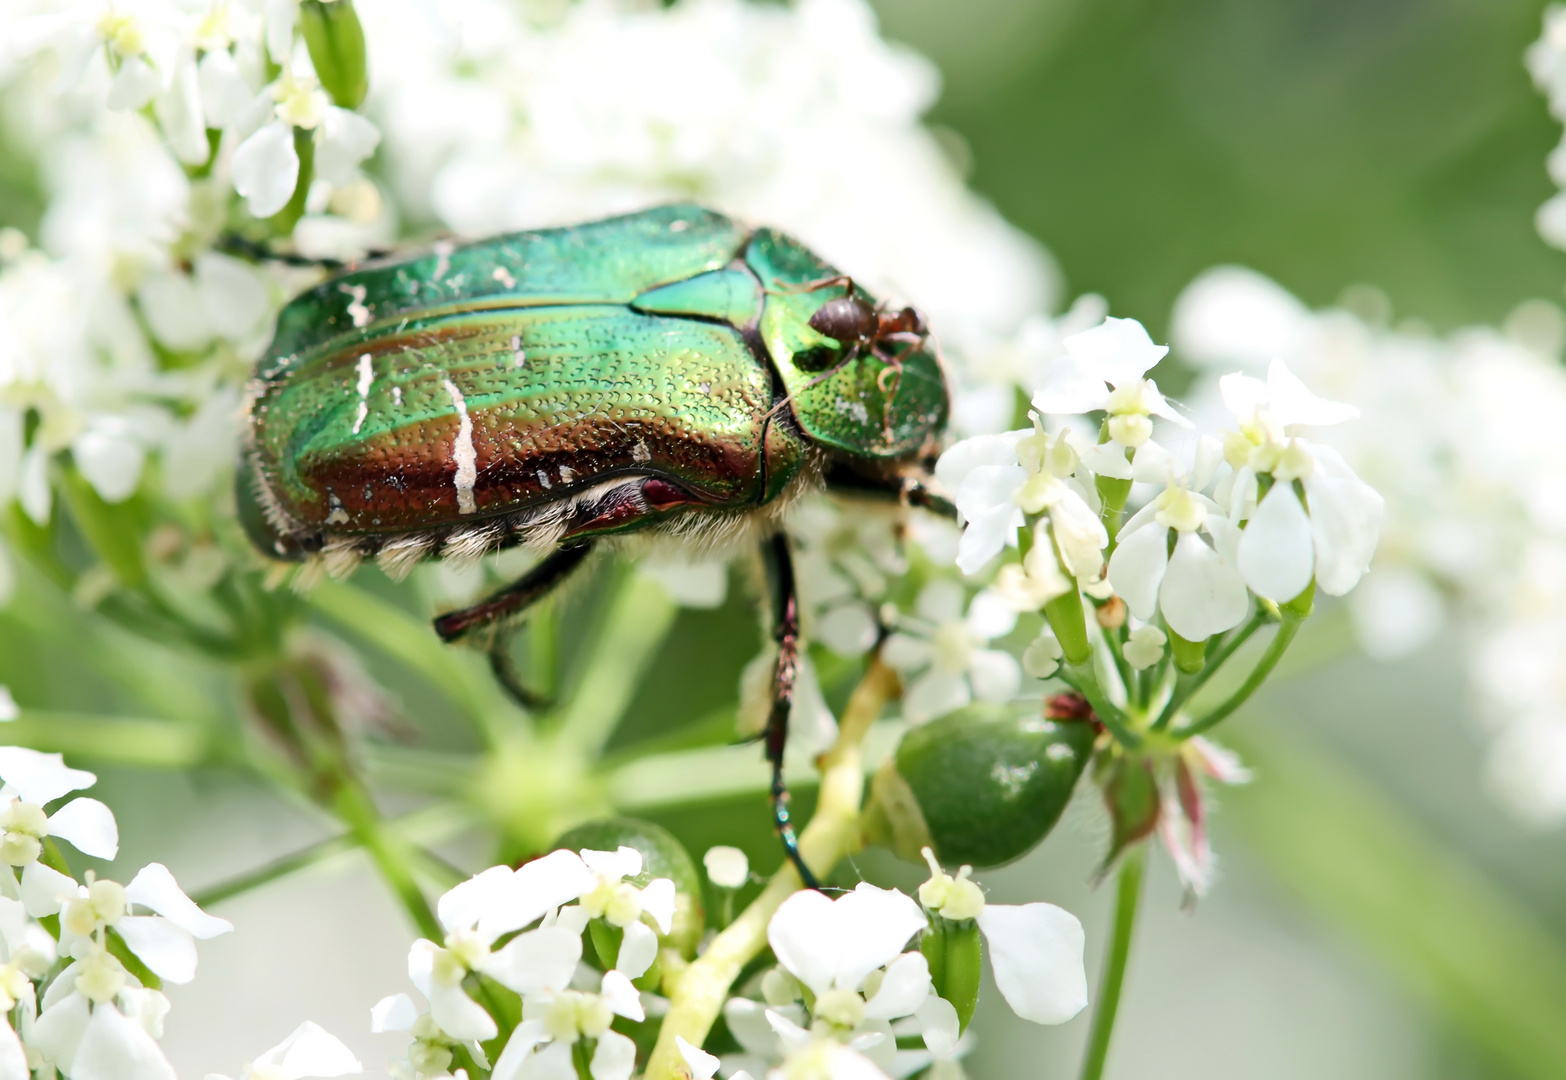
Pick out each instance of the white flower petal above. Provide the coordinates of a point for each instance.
(1157, 405)
(134, 85)
(907, 653)
(169, 950)
(552, 1062)
(874, 1039)
(1080, 535)
(13, 1059)
(179, 114)
(57, 1033)
(537, 961)
(803, 935)
(1117, 350)
(996, 675)
(1108, 459)
(623, 862)
(115, 1047)
(310, 1051)
(903, 989)
(658, 900)
(846, 1064)
(940, 1025)
(1070, 387)
(111, 460)
(88, 826)
(748, 1023)
(702, 1065)
(346, 139)
(1276, 556)
(1202, 594)
(614, 1058)
(527, 1035)
(463, 905)
(458, 1015)
(154, 887)
(933, 695)
(1153, 464)
(1209, 456)
(962, 458)
(1136, 569)
(1036, 953)
(173, 310)
(40, 778)
(265, 168)
(638, 949)
(1292, 403)
(1345, 522)
(225, 96)
(44, 891)
(537, 887)
(848, 630)
(873, 925)
(788, 1031)
(395, 1012)
(1242, 394)
(622, 997)
(234, 295)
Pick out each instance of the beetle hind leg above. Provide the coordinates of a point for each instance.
(785, 616)
(498, 612)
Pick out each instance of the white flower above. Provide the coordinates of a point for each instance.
(1283, 546)
(942, 652)
(266, 165)
(1035, 949)
(541, 1045)
(310, 1051)
(481, 909)
(843, 564)
(33, 779)
(1198, 588)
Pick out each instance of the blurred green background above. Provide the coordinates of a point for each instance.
(1376, 916)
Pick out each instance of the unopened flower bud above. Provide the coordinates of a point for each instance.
(25, 817)
(779, 988)
(78, 917)
(19, 849)
(1041, 658)
(593, 1015)
(1111, 615)
(429, 1059)
(727, 867)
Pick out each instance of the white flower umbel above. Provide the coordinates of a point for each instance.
(1035, 949)
(943, 652)
(309, 1051)
(844, 560)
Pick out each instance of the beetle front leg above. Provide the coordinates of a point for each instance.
(785, 619)
(500, 608)
(911, 489)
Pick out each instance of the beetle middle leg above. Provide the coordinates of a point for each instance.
(498, 609)
(785, 622)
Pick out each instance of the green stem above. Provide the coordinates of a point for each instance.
(1127, 895)
(1086, 681)
(1187, 685)
(392, 854)
(638, 620)
(1269, 660)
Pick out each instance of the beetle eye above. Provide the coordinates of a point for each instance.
(818, 359)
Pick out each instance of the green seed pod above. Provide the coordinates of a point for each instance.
(336, 40)
(1066, 619)
(662, 856)
(953, 951)
(981, 786)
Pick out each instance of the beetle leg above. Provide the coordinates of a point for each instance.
(234, 244)
(785, 616)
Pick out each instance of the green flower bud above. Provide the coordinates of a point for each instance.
(336, 40)
(981, 786)
(1065, 618)
(662, 856)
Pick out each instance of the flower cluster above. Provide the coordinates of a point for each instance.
(1546, 60)
(1465, 446)
(162, 128)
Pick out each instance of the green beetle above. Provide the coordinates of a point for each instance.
(670, 370)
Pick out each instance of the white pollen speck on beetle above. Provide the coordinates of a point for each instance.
(396, 395)
(639, 452)
(462, 452)
(543, 478)
(366, 377)
(518, 353)
(356, 309)
(503, 276)
(443, 250)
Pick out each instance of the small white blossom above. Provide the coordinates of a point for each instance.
(727, 867)
(309, 1051)
(943, 652)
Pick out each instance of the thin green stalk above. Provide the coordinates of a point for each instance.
(393, 856)
(1269, 660)
(1128, 895)
(1086, 682)
(1187, 685)
(639, 618)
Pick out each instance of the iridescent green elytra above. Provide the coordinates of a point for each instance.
(653, 370)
